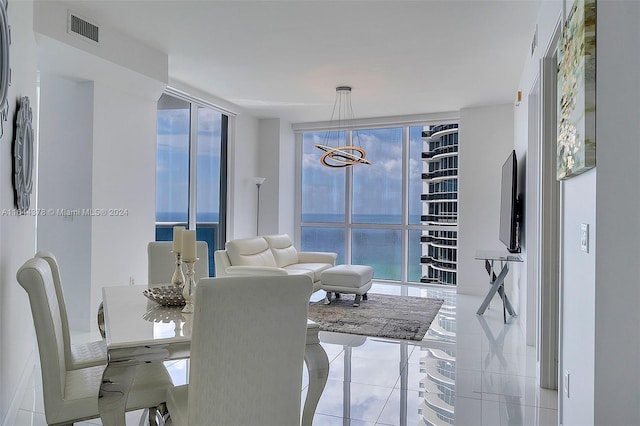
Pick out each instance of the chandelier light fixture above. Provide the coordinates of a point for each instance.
(342, 153)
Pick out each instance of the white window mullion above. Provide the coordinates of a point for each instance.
(404, 268)
(193, 165)
(348, 204)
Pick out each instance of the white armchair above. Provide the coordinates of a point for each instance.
(271, 255)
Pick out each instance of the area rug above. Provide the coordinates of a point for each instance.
(396, 317)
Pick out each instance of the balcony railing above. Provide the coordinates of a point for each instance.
(440, 174)
(446, 149)
(436, 196)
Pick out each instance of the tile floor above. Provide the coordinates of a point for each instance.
(468, 370)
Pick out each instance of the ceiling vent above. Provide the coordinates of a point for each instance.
(82, 28)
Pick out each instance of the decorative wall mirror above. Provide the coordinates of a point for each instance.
(5, 71)
(23, 155)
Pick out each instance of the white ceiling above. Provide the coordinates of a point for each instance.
(285, 58)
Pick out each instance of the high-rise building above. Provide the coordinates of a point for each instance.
(440, 205)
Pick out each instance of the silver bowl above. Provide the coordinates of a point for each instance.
(165, 295)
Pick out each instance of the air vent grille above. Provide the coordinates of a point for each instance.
(83, 28)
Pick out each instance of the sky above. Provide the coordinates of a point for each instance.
(172, 166)
(377, 187)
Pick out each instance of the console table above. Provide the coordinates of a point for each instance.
(497, 281)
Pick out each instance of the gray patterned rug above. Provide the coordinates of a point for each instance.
(396, 317)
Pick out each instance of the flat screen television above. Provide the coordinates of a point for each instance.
(510, 205)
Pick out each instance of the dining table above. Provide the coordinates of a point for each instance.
(139, 330)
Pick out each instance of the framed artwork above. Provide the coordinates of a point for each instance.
(5, 71)
(23, 155)
(576, 150)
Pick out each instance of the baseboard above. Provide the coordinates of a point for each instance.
(12, 412)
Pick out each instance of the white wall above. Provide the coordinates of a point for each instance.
(287, 199)
(66, 150)
(617, 249)
(243, 167)
(17, 234)
(124, 152)
(91, 159)
(600, 319)
(269, 167)
(578, 298)
(115, 57)
(118, 174)
(276, 150)
(486, 139)
(527, 146)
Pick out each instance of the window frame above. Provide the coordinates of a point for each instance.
(192, 199)
(405, 227)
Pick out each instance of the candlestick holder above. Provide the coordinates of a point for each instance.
(189, 289)
(178, 276)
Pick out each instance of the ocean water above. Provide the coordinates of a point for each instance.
(379, 248)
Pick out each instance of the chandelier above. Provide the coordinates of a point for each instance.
(343, 154)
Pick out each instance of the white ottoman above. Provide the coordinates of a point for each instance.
(350, 279)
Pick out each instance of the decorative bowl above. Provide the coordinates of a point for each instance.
(165, 295)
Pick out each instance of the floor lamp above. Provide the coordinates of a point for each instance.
(259, 181)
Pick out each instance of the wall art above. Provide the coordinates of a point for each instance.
(576, 150)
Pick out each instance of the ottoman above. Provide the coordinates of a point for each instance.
(349, 279)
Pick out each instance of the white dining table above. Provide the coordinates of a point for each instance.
(139, 330)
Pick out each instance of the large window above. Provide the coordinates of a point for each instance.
(190, 171)
(368, 214)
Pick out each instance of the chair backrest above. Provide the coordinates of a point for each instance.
(248, 340)
(57, 282)
(253, 251)
(283, 250)
(162, 262)
(36, 278)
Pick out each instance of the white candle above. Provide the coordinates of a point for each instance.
(177, 238)
(189, 245)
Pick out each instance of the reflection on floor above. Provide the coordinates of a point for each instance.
(468, 370)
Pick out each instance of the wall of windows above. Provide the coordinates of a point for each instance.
(191, 171)
(368, 214)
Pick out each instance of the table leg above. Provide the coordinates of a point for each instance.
(495, 285)
(508, 305)
(114, 391)
(318, 367)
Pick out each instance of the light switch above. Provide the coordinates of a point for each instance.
(584, 237)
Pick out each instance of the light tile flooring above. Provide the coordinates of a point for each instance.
(468, 370)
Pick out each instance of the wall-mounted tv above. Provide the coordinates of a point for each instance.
(510, 205)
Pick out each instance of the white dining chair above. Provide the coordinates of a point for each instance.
(162, 262)
(78, 355)
(247, 353)
(72, 395)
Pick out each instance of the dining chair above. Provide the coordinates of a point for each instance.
(162, 262)
(247, 352)
(72, 395)
(77, 355)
